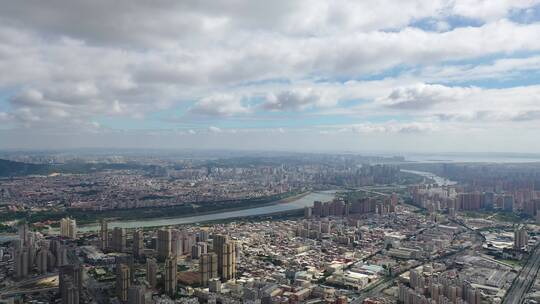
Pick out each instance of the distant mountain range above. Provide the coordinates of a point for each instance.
(13, 168)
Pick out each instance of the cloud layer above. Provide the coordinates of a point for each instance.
(308, 67)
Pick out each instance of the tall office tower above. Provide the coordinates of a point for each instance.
(325, 209)
(360, 206)
(103, 235)
(164, 239)
(68, 228)
(21, 263)
(122, 282)
(151, 272)
(347, 209)
(32, 251)
(521, 238)
(489, 200)
(177, 243)
(228, 261)
(238, 251)
(470, 201)
(22, 230)
(70, 283)
(414, 278)
(195, 251)
(226, 254)
(207, 268)
(136, 295)
(138, 243)
(188, 239)
(42, 256)
(308, 212)
(393, 202)
(30, 239)
(317, 208)
(337, 207)
(202, 236)
(451, 212)
(54, 245)
(70, 293)
(170, 279)
(217, 242)
(198, 249)
(129, 261)
(508, 202)
(61, 256)
(51, 261)
(119, 239)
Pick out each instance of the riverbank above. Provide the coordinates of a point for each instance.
(268, 209)
(8, 237)
(292, 198)
(218, 211)
(90, 216)
(280, 215)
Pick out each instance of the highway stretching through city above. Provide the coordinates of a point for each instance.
(379, 287)
(522, 283)
(22, 287)
(388, 282)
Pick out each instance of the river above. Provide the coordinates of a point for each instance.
(439, 180)
(299, 203)
(296, 204)
(8, 237)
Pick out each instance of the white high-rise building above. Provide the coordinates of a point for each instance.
(68, 228)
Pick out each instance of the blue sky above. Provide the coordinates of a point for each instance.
(311, 75)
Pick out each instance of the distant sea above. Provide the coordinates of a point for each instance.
(474, 158)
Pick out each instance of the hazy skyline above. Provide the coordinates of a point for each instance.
(420, 76)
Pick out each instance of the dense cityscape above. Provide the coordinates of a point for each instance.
(341, 229)
(269, 152)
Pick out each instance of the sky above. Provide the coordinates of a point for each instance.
(298, 75)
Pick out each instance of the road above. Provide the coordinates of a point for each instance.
(13, 293)
(371, 191)
(375, 291)
(524, 279)
(388, 282)
(22, 286)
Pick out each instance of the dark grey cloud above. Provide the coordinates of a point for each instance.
(527, 116)
(422, 96)
(297, 99)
